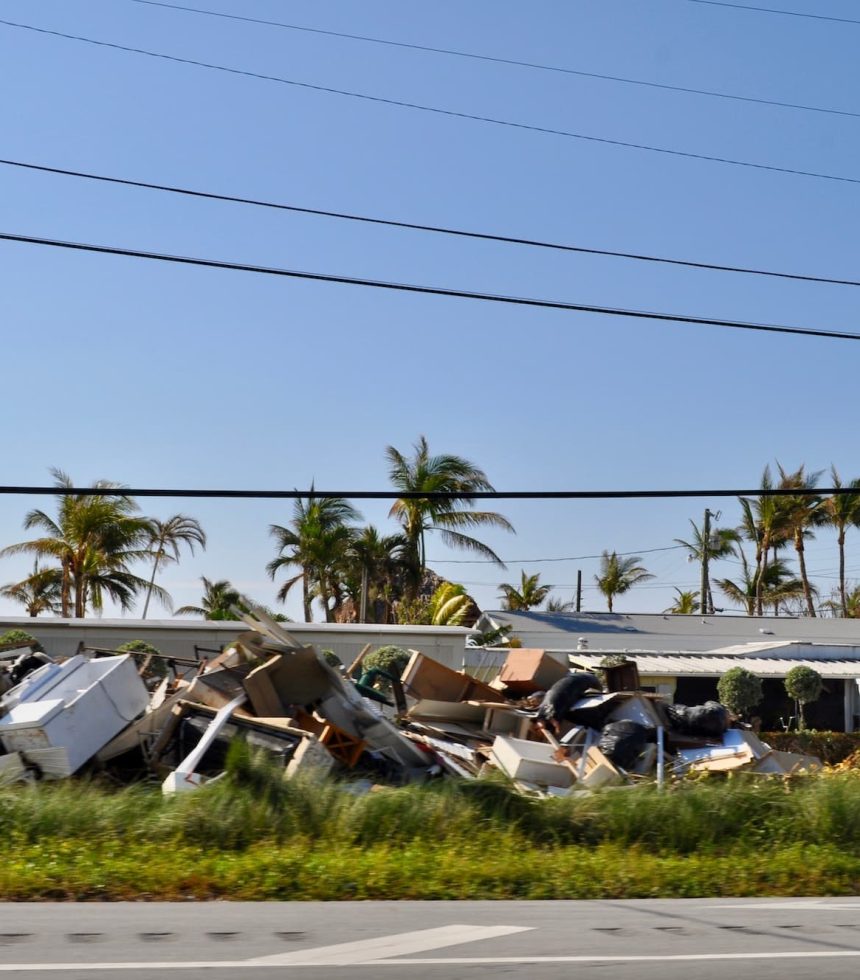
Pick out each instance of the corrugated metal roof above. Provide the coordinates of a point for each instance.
(663, 633)
(712, 665)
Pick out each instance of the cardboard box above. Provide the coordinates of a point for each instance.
(526, 671)
(424, 678)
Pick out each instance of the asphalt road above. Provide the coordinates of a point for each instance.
(658, 939)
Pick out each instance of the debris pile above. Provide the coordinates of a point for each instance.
(550, 729)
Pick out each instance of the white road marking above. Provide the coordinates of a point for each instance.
(341, 954)
(793, 906)
(384, 947)
(674, 958)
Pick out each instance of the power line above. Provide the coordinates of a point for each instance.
(772, 10)
(433, 290)
(558, 69)
(436, 110)
(538, 561)
(437, 229)
(313, 493)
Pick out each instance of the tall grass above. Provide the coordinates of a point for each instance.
(254, 804)
(254, 835)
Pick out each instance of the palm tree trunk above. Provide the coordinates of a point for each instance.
(841, 542)
(65, 596)
(801, 560)
(761, 571)
(80, 597)
(325, 596)
(306, 598)
(151, 584)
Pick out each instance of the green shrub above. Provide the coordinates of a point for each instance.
(19, 638)
(804, 685)
(391, 659)
(739, 690)
(831, 747)
(157, 667)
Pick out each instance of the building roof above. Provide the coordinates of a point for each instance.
(712, 665)
(666, 634)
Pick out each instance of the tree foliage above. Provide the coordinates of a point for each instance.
(219, 601)
(165, 538)
(19, 638)
(685, 604)
(740, 690)
(450, 518)
(95, 538)
(528, 595)
(618, 575)
(391, 659)
(804, 685)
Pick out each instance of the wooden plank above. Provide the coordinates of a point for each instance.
(261, 691)
(353, 667)
(424, 678)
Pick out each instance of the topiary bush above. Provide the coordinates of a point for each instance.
(391, 659)
(804, 685)
(739, 690)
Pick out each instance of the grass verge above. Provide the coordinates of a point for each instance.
(254, 836)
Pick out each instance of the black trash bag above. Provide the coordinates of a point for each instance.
(564, 694)
(26, 664)
(622, 742)
(708, 720)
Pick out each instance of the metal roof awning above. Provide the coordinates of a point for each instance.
(709, 665)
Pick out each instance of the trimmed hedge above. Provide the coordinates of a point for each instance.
(830, 747)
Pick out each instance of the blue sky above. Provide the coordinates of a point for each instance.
(167, 376)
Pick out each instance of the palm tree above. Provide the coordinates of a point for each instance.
(774, 587)
(218, 602)
(165, 539)
(94, 538)
(765, 521)
(803, 511)
(527, 596)
(375, 564)
(619, 575)
(720, 544)
(317, 541)
(451, 516)
(38, 593)
(842, 510)
(686, 603)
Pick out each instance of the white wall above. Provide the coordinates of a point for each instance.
(61, 637)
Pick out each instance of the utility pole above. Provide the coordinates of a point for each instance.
(362, 612)
(579, 590)
(706, 543)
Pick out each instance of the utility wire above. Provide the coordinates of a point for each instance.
(456, 232)
(539, 561)
(558, 69)
(432, 290)
(315, 494)
(772, 10)
(452, 113)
